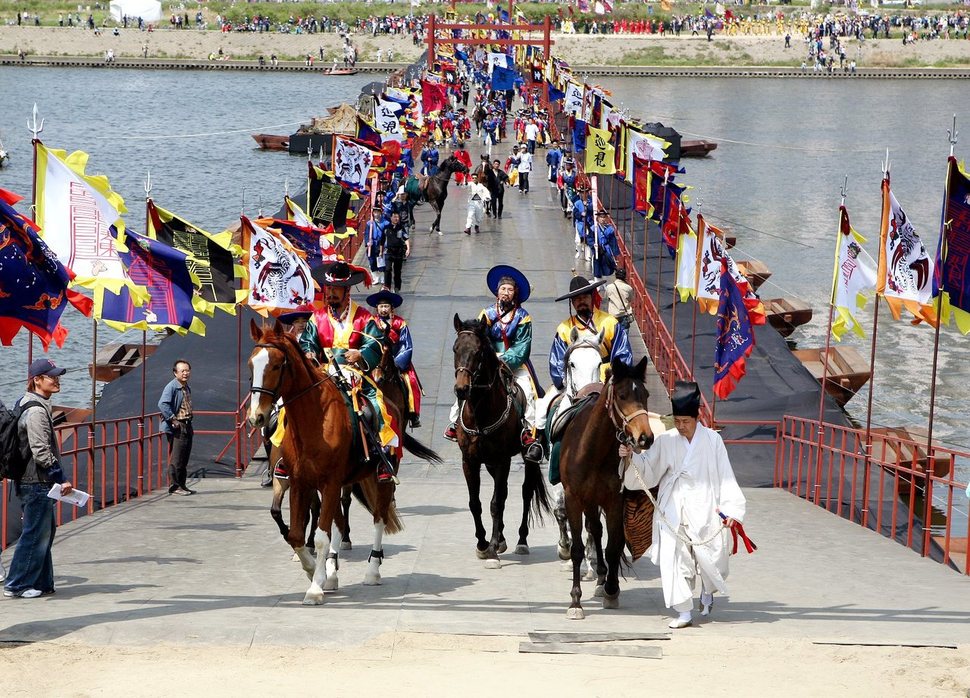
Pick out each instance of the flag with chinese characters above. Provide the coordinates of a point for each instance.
(735, 337)
(434, 96)
(573, 104)
(163, 270)
(952, 278)
(599, 152)
(854, 276)
(278, 276)
(905, 274)
(33, 283)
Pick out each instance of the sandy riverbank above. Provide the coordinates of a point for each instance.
(578, 50)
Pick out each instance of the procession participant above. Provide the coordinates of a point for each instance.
(698, 501)
(31, 572)
(373, 240)
(395, 328)
(429, 156)
(524, 168)
(510, 331)
(584, 300)
(462, 156)
(567, 184)
(619, 298)
(395, 248)
(583, 222)
(478, 197)
(553, 160)
(606, 249)
(346, 333)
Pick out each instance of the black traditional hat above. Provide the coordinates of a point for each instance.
(602, 212)
(501, 272)
(384, 296)
(339, 274)
(288, 318)
(685, 401)
(579, 286)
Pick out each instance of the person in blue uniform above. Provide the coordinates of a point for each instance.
(429, 156)
(583, 223)
(606, 250)
(553, 160)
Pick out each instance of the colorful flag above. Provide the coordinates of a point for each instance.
(295, 213)
(599, 152)
(278, 277)
(952, 278)
(33, 284)
(328, 202)
(686, 282)
(308, 241)
(711, 258)
(75, 212)
(352, 163)
(163, 270)
(905, 275)
(366, 133)
(579, 136)
(573, 104)
(854, 276)
(735, 338)
(676, 217)
(213, 260)
(503, 79)
(434, 96)
(643, 146)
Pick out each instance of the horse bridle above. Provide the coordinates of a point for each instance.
(615, 413)
(583, 342)
(274, 394)
(472, 375)
(484, 431)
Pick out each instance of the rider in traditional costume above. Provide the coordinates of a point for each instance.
(698, 501)
(345, 336)
(509, 328)
(395, 328)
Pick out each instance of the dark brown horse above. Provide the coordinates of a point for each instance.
(489, 434)
(319, 447)
(435, 187)
(589, 466)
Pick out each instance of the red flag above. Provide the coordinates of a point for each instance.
(434, 96)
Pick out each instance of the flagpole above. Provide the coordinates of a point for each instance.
(952, 134)
(825, 360)
(663, 216)
(693, 333)
(867, 462)
(144, 356)
(35, 130)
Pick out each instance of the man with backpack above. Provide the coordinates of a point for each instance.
(31, 572)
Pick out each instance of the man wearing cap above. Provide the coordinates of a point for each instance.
(462, 156)
(175, 404)
(31, 572)
(698, 500)
(510, 331)
(567, 185)
(605, 248)
(553, 160)
(395, 328)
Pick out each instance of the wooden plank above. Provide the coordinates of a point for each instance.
(637, 651)
(552, 636)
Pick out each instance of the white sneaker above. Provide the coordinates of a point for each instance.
(684, 620)
(25, 594)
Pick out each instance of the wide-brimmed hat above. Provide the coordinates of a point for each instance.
(384, 296)
(685, 400)
(339, 274)
(579, 286)
(505, 271)
(44, 367)
(291, 316)
(602, 212)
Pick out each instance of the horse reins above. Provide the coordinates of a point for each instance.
(485, 431)
(275, 392)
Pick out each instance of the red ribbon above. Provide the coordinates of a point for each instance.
(738, 530)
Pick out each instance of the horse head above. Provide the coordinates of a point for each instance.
(270, 369)
(471, 351)
(582, 360)
(386, 368)
(452, 165)
(627, 396)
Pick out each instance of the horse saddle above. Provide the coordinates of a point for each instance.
(560, 420)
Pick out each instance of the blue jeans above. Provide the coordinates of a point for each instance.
(32, 566)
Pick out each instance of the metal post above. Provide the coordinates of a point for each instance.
(139, 487)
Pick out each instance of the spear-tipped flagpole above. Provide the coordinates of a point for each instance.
(952, 135)
(693, 334)
(35, 128)
(144, 353)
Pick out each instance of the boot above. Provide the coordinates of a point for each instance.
(451, 433)
(415, 421)
(533, 449)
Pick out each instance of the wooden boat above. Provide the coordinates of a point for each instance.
(785, 314)
(339, 71)
(848, 371)
(755, 271)
(696, 149)
(906, 446)
(268, 141)
(116, 360)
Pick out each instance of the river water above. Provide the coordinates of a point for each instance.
(774, 181)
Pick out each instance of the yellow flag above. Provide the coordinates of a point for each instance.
(600, 156)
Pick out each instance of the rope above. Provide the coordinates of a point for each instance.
(195, 135)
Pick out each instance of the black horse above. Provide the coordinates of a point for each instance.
(489, 434)
(435, 187)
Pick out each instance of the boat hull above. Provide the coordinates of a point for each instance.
(268, 141)
(847, 370)
(787, 314)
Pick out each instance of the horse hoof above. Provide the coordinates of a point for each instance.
(502, 547)
(481, 554)
(611, 601)
(522, 549)
(493, 564)
(575, 614)
(313, 598)
(295, 558)
(346, 545)
(332, 583)
(600, 591)
(563, 552)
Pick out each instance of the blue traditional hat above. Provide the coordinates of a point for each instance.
(501, 272)
(384, 296)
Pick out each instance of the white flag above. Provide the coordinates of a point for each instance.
(855, 275)
(905, 275)
(573, 102)
(645, 147)
(387, 117)
(686, 282)
(352, 163)
(278, 276)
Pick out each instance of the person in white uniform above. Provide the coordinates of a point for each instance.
(699, 500)
(479, 196)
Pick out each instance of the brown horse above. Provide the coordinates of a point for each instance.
(319, 447)
(489, 432)
(589, 466)
(435, 187)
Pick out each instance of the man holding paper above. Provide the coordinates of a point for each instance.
(31, 572)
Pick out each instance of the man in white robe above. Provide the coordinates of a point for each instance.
(699, 500)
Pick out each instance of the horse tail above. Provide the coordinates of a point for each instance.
(418, 449)
(534, 489)
(366, 492)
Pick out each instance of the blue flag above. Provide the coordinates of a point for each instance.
(579, 136)
(735, 339)
(503, 15)
(951, 274)
(503, 79)
(304, 239)
(554, 94)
